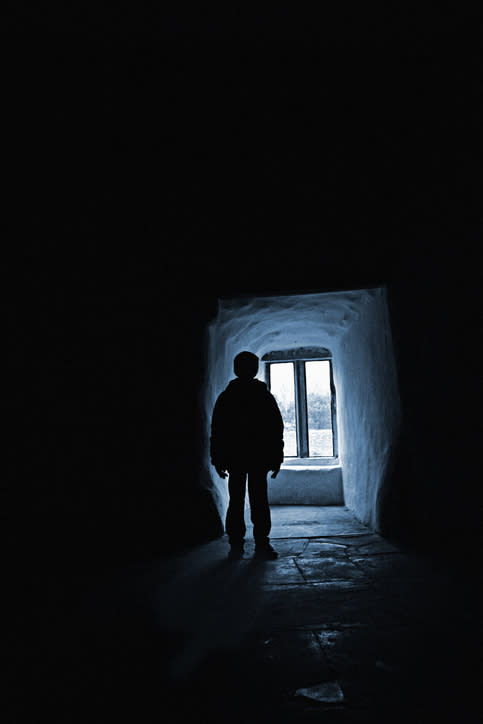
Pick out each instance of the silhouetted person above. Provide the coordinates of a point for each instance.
(247, 440)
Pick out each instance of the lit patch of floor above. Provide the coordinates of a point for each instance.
(313, 521)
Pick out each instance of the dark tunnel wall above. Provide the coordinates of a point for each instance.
(432, 496)
(150, 211)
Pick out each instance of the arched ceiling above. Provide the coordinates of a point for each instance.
(262, 324)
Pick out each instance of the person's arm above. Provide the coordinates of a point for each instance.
(276, 442)
(217, 438)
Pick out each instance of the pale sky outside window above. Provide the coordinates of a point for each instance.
(282, 386)
(317, 383)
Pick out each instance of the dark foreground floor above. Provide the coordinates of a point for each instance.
(375, 634)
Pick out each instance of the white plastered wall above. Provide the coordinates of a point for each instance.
(368, 405)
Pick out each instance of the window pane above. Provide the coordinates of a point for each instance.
(319, 414)
(282, 386)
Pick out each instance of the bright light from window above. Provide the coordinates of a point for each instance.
(282, 386)
(317, 382)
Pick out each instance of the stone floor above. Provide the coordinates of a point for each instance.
(343, 627)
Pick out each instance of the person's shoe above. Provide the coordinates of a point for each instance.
(235, 553)
(265, 551)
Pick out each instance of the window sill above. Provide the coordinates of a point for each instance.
(311, 462)
(308, 481)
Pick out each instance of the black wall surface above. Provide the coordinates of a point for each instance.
(149, 177)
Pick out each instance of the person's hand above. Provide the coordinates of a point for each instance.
(221, 472)
(275, 471)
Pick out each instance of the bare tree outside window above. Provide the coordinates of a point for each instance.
(282, 386)
(317, 383)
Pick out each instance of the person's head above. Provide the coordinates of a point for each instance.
(245, 365)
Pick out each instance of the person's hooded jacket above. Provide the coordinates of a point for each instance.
(247, 427)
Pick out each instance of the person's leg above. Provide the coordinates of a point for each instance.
(260, 513)
(259, 508)
(235, 517)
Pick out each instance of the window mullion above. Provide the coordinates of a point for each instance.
(267, 375)
(333, 410)
(301, 409)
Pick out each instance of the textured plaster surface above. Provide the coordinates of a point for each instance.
(368, 406)
(302, 485)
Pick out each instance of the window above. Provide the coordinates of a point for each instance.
(302, 383)
(282, 385)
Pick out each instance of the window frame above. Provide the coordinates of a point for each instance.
(299, 357)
